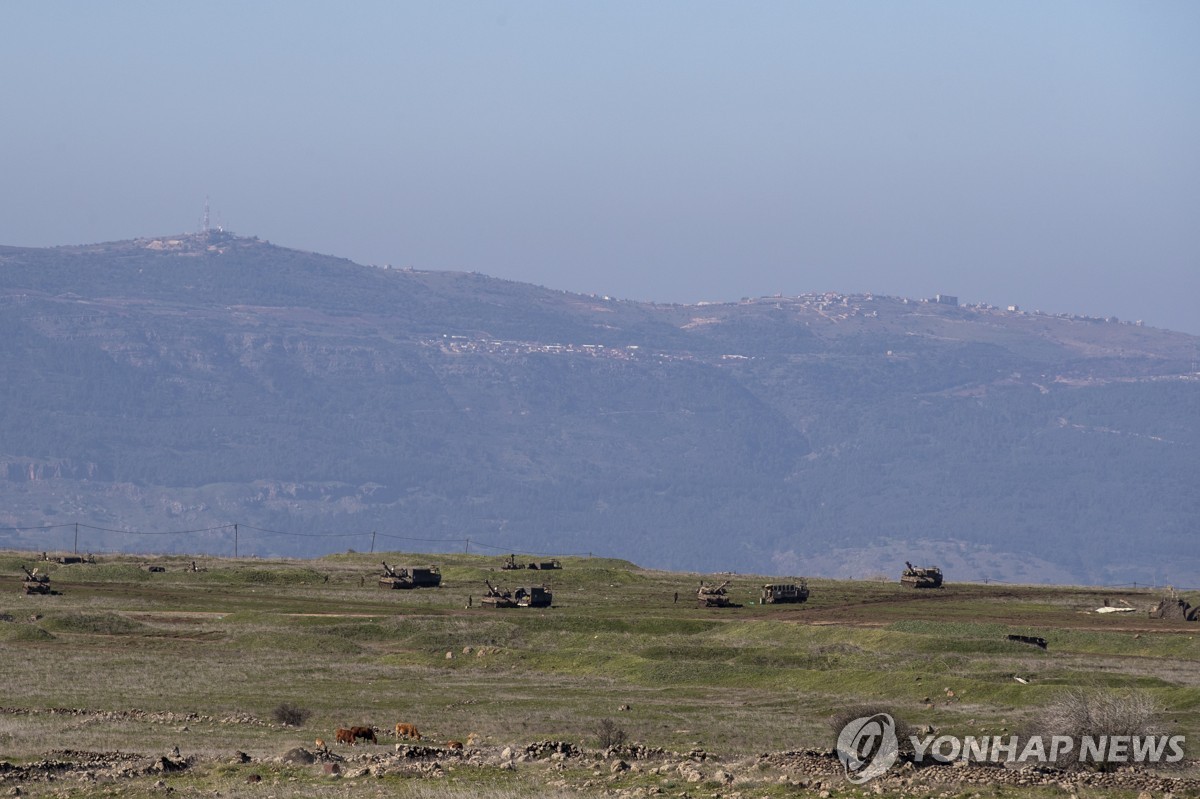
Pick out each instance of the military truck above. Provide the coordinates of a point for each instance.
(524, 597)
(533, 596)
(35, 582)
(545, 565)
(410, 577)
(778, 593)
(923, 577)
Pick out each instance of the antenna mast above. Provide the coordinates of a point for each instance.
(205, 227)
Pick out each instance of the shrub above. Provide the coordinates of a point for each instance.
(848, 714)
(291, 715)
(609, 734)
(1081, 712)
(94, 624)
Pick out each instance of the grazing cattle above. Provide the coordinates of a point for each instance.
(454, 745)
(321, 747)
(344, 736)
(366, 733)
(407, 731)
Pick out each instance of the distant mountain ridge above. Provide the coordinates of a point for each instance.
(196, 380)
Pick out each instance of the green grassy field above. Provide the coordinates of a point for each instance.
(206, 657)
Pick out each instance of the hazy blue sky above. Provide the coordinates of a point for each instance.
(1039, 153)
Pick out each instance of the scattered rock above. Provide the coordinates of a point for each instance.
(299, 755)
(165, 765)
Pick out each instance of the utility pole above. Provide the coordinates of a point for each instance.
(235, 541)
(76, 538)
(467, 548)
(372, 542)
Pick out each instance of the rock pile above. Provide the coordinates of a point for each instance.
(539, 749)
(89, 766)
(158, 717)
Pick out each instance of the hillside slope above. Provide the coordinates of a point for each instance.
(186, 382)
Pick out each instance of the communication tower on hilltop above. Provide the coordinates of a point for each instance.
(205, 221)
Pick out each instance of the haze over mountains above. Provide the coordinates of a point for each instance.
(199, 380)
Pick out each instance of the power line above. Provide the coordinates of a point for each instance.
(43, 527)
(234, 528)
(301, 535)
(156, 532)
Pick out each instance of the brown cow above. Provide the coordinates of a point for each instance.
(454, 745)
(366, 733)
(344, 736)
(407, 731)
(321, 747)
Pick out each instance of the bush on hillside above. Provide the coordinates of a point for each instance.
(609, 734)
(290, 715)
(1082, 712)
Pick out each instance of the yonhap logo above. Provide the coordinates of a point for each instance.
(868, 747)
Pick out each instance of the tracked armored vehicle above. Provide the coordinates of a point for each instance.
(524, 597)
(35, 582)
(410, 577)
(779, 593)
(922, 577)
(1174, 608)
(714, 596)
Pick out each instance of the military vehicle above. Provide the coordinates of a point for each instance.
(410, 577)
(511, 564)
(67, 560)
(35, 582)
(924, 577)
(525, 597)
(1174, 608)
(534, 596)
(777, 593)
(714, 596)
